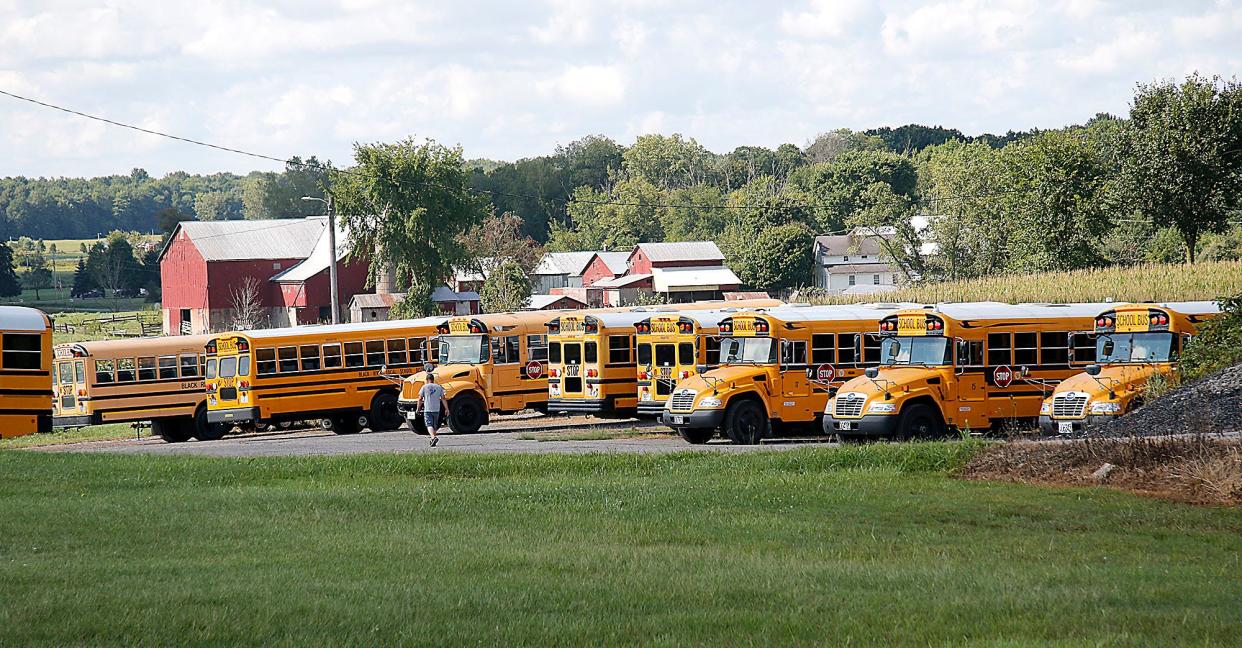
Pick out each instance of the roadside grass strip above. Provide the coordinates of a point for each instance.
(870, 545)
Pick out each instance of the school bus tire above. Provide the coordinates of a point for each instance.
(205, 431)
(746, 422)
(467, 413)
(696, 436)
(173, 430)
(919, 421)
(345, 424)
(384, 415)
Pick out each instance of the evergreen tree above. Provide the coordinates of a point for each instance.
(9, 285)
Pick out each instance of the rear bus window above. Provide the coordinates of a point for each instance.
(590, 353)
(211, 368)
(685, 354)
(619, 349)
(665, 355)
(554, 352)
(228, 367)
(644, 353)
(23, 351)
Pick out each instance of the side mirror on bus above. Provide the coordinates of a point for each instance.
(1024, 371)
(1107, 347)
(872, 373)
(1092, 370)
(702, 369)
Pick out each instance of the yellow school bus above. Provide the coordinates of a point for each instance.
(970, 366)
(488, 363)
(673, 347)
(335, 373)
(144, 379)
(777, 369)
(25, 371)
(591, 363)
(1134, 342)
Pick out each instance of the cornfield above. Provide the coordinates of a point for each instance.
(1151, 282)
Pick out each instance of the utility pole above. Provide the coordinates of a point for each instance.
(332, 283)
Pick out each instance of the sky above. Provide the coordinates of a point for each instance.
(507, 80)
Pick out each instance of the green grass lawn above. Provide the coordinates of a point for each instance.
(872, 545)
(106, 432)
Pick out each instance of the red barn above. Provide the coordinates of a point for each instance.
(691, 254)
(207, 265)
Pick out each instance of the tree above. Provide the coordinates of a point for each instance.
(168, 218)
(416, 303)
(212, 206)
(965, 222)
(507, 289)
(838, 186)
(668, 162)
(279, 195)
(112, 263)
(827, 147)
(83, 280)
(768, 243)
(406, 205)
(497, 238)
(247, 303)
(9, 284)
(37, 278)
(1183, 155)
(912, 138)
(631, 213)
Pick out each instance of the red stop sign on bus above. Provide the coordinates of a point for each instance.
(1002, 376)
(534, 369)
(825, 373)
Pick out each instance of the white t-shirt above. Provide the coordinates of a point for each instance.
(431, 394)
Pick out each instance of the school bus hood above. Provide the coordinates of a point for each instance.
(895, 379)
(722, 378)
(1119, 378)
(452, 378)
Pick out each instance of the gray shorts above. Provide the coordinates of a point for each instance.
(431, 420)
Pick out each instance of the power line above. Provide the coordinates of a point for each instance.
(491, 192)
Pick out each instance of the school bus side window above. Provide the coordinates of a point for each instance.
(1083, 347)
(712, 351)
(288, 359)
(168, 367)
(537, 347)
(189, 366)
(104, 371)
(999, 349)
(396, 352)
(1054, 348)
(353, 355)
(847, 349)
(265, 361)
(310, 357)
(793, 352)
(23, 351)
(970, 353)
(416, 347)
(822, 349)
(505, 349)
(1025, 349)
(146, 369)
(375, 353)
(125, 370)
(331, 356)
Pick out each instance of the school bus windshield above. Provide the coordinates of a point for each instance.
(1134, 347)
(928, 351)
(747, 351)
(463, 349)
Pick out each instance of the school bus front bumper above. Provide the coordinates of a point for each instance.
(650, 408)
(234, 415)
(696, 419)
(867, 425)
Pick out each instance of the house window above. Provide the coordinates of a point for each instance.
(184, 324)
(875, 279)
(853, 280)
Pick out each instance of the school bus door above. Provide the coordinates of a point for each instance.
(966, 396)
(504, 381)
(793, 394)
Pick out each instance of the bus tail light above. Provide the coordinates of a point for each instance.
(243, 384)
(81, 392)
(554, 372)
(592, 373)
(211, 388)
(685, 374)
(643, 375)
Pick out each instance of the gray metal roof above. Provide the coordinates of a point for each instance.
(563, 263)
(372, 300)
(244, 240)
(683, 251)
(848, 244)
(319, 259)
(617, 262)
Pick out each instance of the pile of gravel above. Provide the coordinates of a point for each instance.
(1210, 405)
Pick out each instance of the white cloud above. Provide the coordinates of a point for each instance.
(568, 24)
(589, 85)
(827, 18)
(1123, 50)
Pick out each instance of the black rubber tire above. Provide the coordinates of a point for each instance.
(204, 431)
(384, 414)
(696, 436)
(345, 424)
(745, 422)
(418, 425)
(467, 414)
(919, 421)
(173, 430)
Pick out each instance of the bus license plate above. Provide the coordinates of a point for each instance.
(846, 425)
(679, 420)
(1065, 427)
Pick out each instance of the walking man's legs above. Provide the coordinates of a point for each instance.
(432, 421)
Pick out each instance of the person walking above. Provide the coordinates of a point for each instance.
(430, 401)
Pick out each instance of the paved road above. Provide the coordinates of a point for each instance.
(327, 443)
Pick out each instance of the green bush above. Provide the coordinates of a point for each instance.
(1218, 344)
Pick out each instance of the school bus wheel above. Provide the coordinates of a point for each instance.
(384, 415)
(745, 422)
(345, 423)
(204, 431)
(172, 430)
(919, 421)
(467, 413)
(697, 436)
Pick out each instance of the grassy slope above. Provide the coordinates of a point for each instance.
(1159, 282)
(859, 545)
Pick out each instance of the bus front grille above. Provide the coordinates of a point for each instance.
(849, 405)
(683, 401)
(1069, 405)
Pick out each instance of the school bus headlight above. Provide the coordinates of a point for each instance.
(1045, 408)
(882, 408)
(1105, 408)
(709, 402)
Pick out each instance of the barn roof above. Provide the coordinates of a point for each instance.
(617, 262)
(564, 263)
(319, 259)
(251, 240)
(683, 251)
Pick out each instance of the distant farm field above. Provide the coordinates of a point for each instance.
(873, 545)
(1153, 282)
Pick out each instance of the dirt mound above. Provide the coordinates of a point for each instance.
(1199, 469)
(1212, 404)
